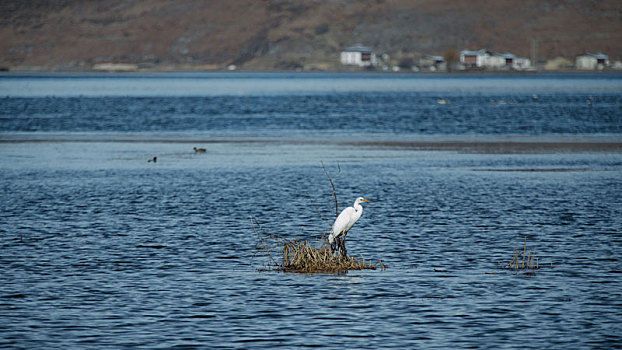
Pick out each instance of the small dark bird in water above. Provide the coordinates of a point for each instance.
(199, 150)
(154, 159)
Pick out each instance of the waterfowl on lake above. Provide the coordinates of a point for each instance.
(199, 150)
(154, 159)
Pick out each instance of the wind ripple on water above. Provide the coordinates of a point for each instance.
(101, 249)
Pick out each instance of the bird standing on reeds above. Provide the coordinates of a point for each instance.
(344, 223)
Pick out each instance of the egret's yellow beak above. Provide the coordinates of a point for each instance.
(365, 200)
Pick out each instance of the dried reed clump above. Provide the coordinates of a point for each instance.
(302, 257)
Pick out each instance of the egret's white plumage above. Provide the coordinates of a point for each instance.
(346, 220)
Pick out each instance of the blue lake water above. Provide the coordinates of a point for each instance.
(102, 249)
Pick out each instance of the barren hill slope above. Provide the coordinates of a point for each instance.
(286, 34)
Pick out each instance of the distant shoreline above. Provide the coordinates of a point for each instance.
(42, 70)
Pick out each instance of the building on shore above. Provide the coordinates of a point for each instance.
(591, 61)
(499, 61)
(522, 63)
(358, 55)
(484, 59)
(473, 59)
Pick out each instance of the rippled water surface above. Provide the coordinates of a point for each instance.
(102, 249)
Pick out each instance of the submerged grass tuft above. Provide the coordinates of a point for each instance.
(524, 260)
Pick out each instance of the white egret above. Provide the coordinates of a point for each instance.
(346, 220)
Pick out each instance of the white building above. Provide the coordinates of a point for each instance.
(498, 61)
(592, 61)
(501, 61)
(493, 61)
(473, 59)
(358, 55)
(521, 63)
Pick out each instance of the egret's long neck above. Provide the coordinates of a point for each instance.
(358, 207)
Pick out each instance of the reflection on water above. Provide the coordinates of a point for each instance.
(102, 249)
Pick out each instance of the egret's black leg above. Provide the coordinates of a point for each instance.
(336, 246)
(339, 246)
(342, 247)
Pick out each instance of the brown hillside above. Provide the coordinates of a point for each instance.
(287, 34)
